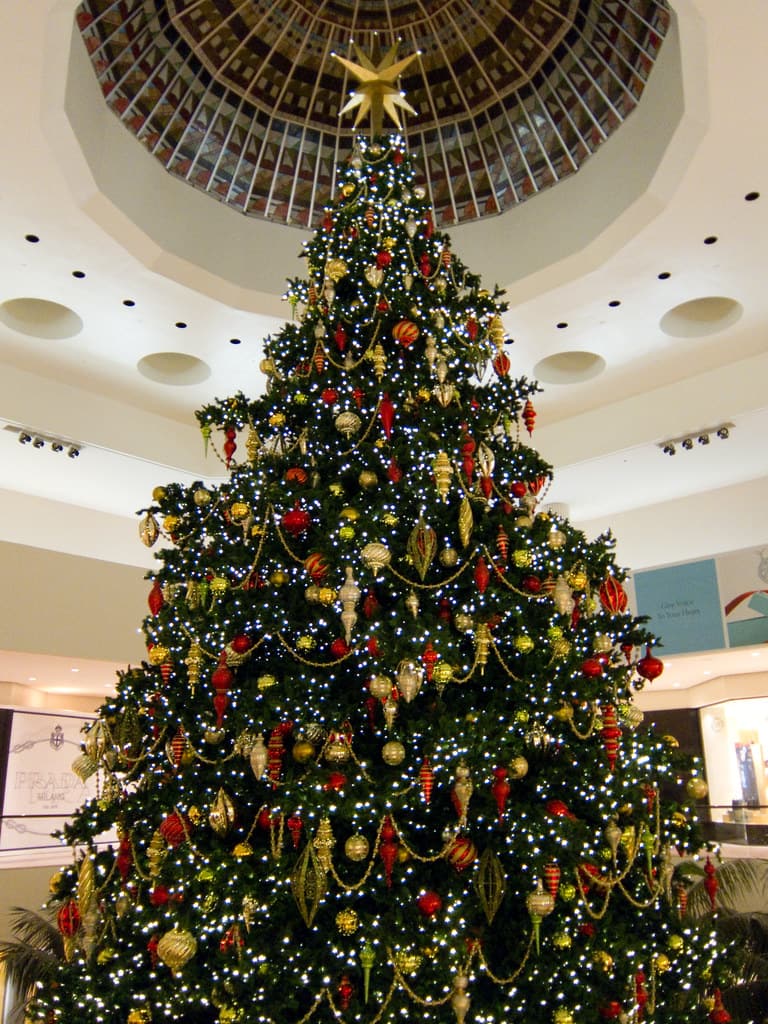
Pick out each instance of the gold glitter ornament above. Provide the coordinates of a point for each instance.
(379, 359)
(201, 497)
(266, 681)
(241, 850)
(466, 522)
(222, 813)
(239, 512)
(522, 558)
(490, 883)
(393, 753)
(560, 648)
(675, 943)
(277, 419)
(407, 961)
(662, 963)
(347, 922)
(149, 531)
(158, 655)
(347, 533)
(308, 884)
(562, 940)
(335, 269)
(303, 752)
(356, 847)
(176, 948)
(139, 1016)
(376, 556)
(562, 1015)
(219, 586)
(368, 479)
(448, 557)
(577, 578)
(567, 891)
(306, 643)
(324, 842)
(443, 471)
(602, 960)
(523, 644)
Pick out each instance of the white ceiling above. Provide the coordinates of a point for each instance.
(676, 173)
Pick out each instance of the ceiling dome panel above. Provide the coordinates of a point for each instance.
(241, 98)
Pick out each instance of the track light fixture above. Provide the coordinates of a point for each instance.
(39, 440)
(702, 437)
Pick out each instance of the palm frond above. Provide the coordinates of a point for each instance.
(35, 929)
(36, 952)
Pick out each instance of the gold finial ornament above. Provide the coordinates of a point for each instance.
(377, 91)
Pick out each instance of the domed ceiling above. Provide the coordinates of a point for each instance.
(241, 98)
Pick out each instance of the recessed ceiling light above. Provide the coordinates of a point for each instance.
(31, 679)
(32, 238)
(664, 275)
(562, 325)
(128, 302)
(700, 317)
(180, 324)
(40, 318)
(79, 274)
(173, 368)
(710, 240)
(614, 302)
(74, 670)
(751, 196)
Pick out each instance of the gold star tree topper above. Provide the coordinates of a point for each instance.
(377, 92)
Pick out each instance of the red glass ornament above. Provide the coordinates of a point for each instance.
(295, 825)
(649, 667)
(372, 646)
(241, 643)
(406, 332)
(159, 896)
(340, 648)
(426, 779)
(178, 745)
(429, 903)
(68, 918)
(382, 305)
(220, 705)
(430, 658)
(552, 878)
(318, 359)
(502, 364)
(613, 597)
(371, 606)
(152, 945)
(559, 809)
(358, 394)
(317, 566)
(718, 1013)
(345, 991)
(230, 445)
(500, 788)
(156, 599)
(327, 222)
(472, 328)
(388, 849)
(486, 486)
(340, 337)
(612, 1010)
(329, 396)
(591, 668)
(335, 782)
(383, 259)
(641, 996)
(124, 859)
(174, 828)
(529, 416)
(222, 676)
(397, 158)
(611, 734)
(482, 575)
(394, 472)
(532, 584)
(711, 883)
(518, 489)
(425, 266)
(296, 520)
(461, 853)
(387, 415)
(444, 609)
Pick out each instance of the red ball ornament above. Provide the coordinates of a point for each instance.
(591, 668)
(174, 828)
(335, 782)
(429, 903)
(317, 566)
(340, 648)
(532, 584)
(329, 396)
(296, 521)
(159, 896)
(518, 489)
(383, 259)
(612, 1010)
(613, 597)
(241, 644)
(649, 667)
(461, 853)
(68, 918)
(405, 332)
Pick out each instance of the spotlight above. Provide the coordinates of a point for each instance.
(687, 443)
(723, 433)
(57, 446)
(73, 452)
(703, 438)
(24, 438)
(38, 443)
(668, 448)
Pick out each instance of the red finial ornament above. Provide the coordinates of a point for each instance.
(719, 1014)
(529, 415)
(345, 992)
(552, 878)
(388, 849)
(502, 364)
(426, 779)
(641, 996)
(613, 597)
(711, 883)
(295, 825)
(429, 658)
(500, 788)
(230, 445)
(340, 337)
(611, 734)
(156, 599)
(649, 667)
(482, 575)
(387, 415)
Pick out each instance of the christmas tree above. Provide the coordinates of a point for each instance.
(381, 762)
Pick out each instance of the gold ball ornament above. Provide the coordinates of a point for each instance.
(672, 741)
(239, 511)
(567, 892)
(347, 533)
(176, 948)
(602, 960)
(158, 655)
(449, 557)
(278, 578)
(356, 847)
(380, 687)
(336, 489)
(390, 519)
(560, 648)
(679, 820)
(368, 479)
(230, 1015)
(349, 513)
(602, 644)
(266, 681)
(219, 586)
(337, 752)
(376, 556)
(675, 943)
(241, 850)
(562, 1015)
(54, 883)
(326, 595)
(577, 579)
(139, 1016)
(522, 716)
(171, 523)
(306, 643)
(518, 767)
(662, 963)
(523, 644)
(522, 558)
(696, 788)
(302, 752)
(556, 539)
(393, 753)
(463, 622)
(443, 673)
(347, 922)
(158, 493)
(562, 940)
